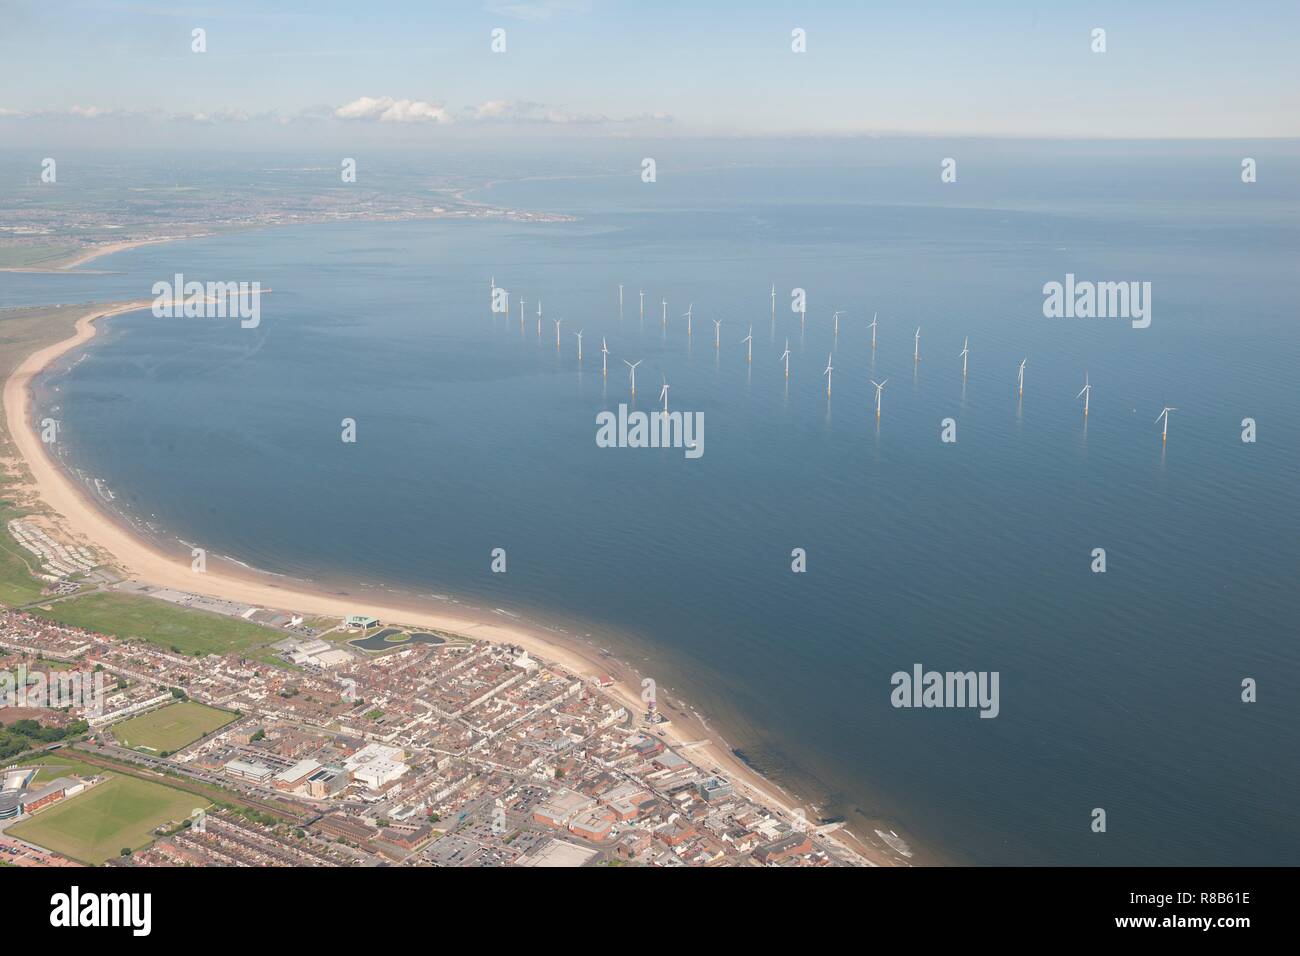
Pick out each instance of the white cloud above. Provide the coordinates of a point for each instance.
(215, 116)
(385, 109)
(493, 109)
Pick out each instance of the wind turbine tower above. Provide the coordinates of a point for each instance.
(880, 387)
(1164, 435)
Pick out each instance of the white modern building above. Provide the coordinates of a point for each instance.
(376, 765)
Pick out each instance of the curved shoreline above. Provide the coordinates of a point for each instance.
(93, 252)
(142, 559)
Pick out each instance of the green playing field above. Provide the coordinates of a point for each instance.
(96, 825)
(170, 728)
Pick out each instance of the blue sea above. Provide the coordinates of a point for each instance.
(1118, 690)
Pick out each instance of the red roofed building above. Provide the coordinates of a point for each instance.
(592, 825)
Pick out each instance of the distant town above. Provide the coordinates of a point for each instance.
(109, 211)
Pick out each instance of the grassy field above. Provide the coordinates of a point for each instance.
(170, 728)
(17, 564)
(94, 826)
(48, 256)
(186, 630)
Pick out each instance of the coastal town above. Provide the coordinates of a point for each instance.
(249, 720)
(357, 743)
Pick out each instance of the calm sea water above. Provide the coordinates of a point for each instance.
(1118, 690)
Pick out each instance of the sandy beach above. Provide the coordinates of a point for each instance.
(91, 253)
(142, 560)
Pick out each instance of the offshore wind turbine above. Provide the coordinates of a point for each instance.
(665, 318)
(827, 373)
(916, 354)
(579, 335)
(873, 330)
(604, 357)
(539, 318)
(663, 395)
(717, 333)
(687, 315)
(785, 357)
(1164, 435)
(632, 372)
(965, 351)
(749, 353)
(774, 303)
(1086, 392)
(836, 316)
(521, 313)
(620, 302)
(557, 333)
(1022, 374)
(643, 305)
(880, 387)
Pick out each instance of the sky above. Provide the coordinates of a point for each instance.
(108, 71)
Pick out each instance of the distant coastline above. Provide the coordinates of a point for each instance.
(90, 253)
(87, 252)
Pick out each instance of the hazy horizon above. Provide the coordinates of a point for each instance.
(326, 74)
